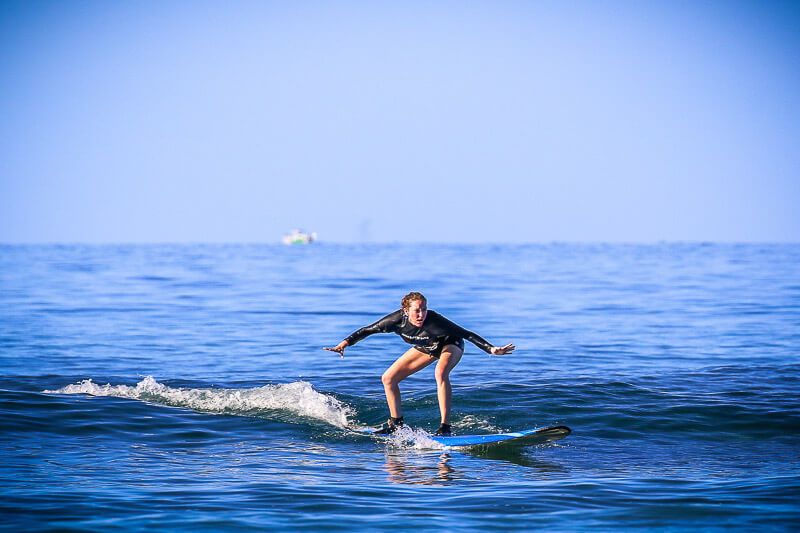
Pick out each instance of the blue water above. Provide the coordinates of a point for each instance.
(184, 387)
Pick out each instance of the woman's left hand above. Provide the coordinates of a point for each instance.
(502, 350)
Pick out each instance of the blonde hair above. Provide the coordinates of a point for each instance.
(410, 297)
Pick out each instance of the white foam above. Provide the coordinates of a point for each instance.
(472, 422)
(418, 439)
(298, 398)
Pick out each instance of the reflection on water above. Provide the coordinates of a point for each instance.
(413, 467)
(516, 456)
(417, 469)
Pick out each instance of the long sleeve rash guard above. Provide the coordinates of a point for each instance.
(436, 332)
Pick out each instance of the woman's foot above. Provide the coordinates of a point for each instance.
(443, 431)
(391, 426)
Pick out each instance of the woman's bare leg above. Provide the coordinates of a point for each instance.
(410, 362)
(451, 355)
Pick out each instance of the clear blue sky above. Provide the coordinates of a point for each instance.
(399, 121)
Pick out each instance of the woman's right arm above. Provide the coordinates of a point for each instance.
(384, 325)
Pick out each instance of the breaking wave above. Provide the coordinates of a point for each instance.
(298, 398)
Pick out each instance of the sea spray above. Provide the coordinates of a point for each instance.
(298, 398)
(407, 437)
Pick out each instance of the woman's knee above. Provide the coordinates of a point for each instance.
(448, 360)
(442, 375)
(388, 379)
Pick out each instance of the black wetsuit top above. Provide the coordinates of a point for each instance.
(436, 333)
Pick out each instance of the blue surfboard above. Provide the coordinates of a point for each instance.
(525, 437)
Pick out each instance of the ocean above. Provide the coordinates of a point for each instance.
(184, 387)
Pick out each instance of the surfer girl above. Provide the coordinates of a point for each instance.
(432, 338)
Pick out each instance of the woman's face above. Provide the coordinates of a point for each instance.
(417, 311)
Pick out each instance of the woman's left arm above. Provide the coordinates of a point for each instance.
(502, 350)
(476, 339)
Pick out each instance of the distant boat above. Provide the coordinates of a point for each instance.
(299, 237)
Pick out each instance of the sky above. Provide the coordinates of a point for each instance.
(467, 122)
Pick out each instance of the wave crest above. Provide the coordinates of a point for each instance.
(298, 398)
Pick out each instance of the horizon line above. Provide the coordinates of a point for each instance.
(381, 243)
